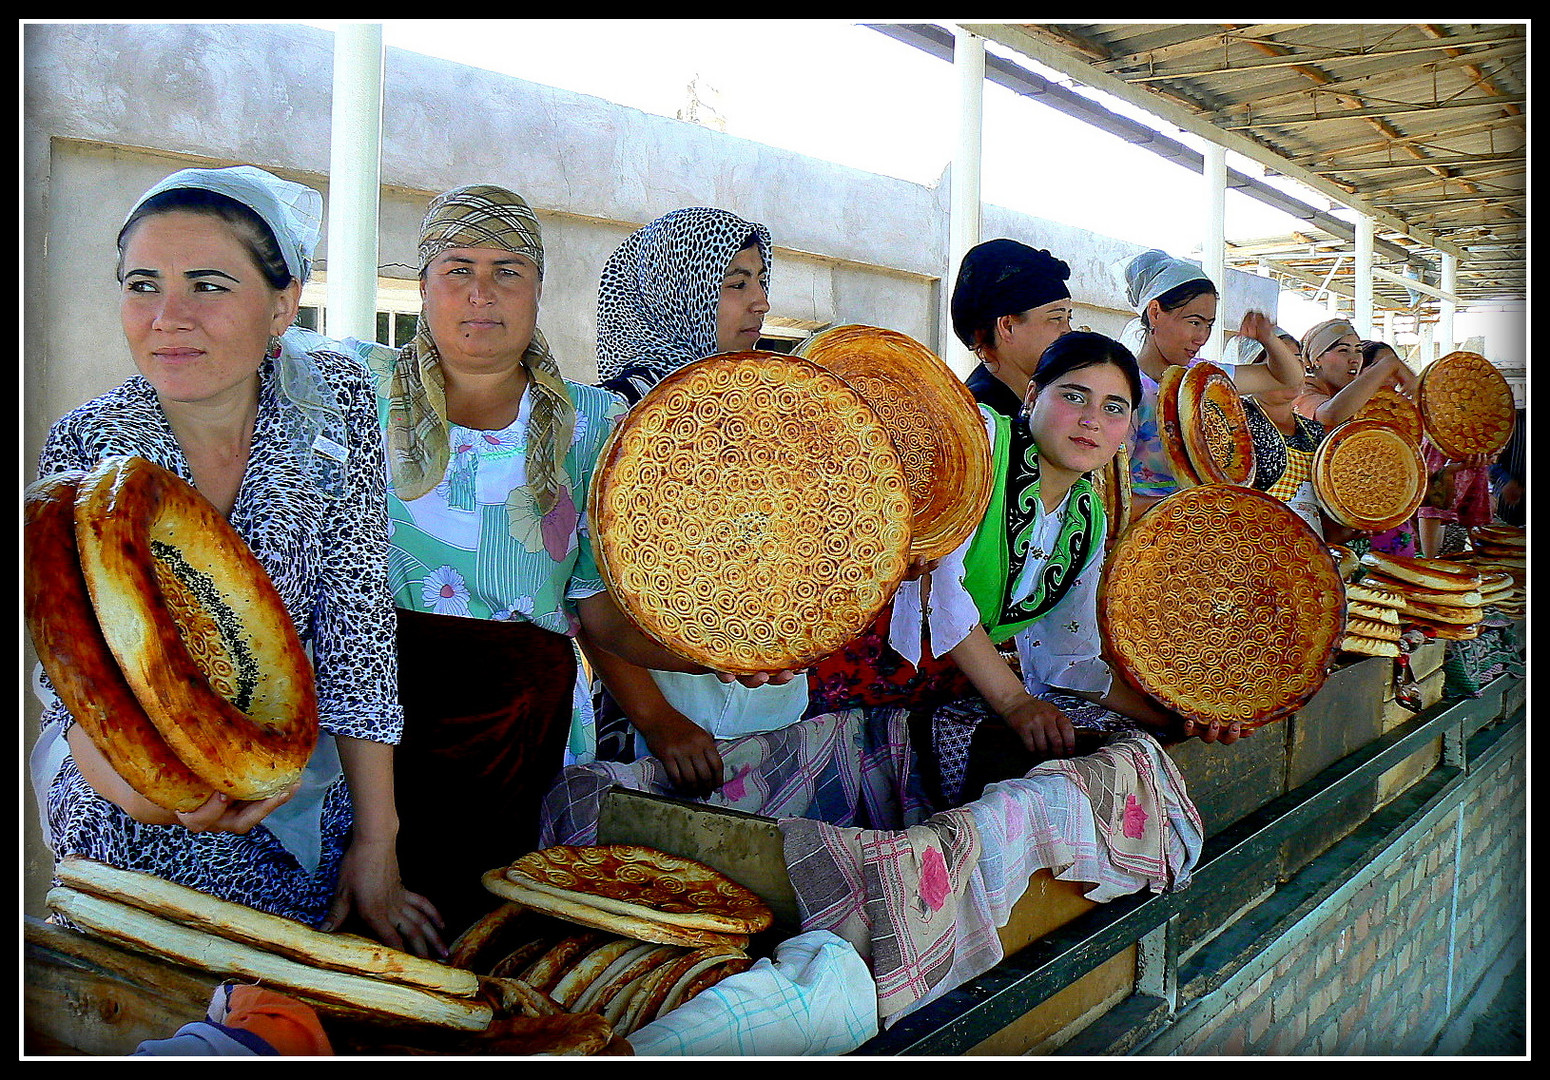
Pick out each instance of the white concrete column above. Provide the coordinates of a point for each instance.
(963, 222)
(1448, 307)
(1362, 315)
(1214, 248)
(354, 182)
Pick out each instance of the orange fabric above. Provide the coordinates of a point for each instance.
(290, 1026)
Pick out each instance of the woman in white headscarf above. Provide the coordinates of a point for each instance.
(281, 437)
(1176, 305)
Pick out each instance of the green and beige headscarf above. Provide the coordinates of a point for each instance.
(418, 442)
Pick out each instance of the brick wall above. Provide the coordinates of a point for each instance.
(1379, 968)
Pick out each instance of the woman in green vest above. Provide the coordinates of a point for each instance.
(1030, 573)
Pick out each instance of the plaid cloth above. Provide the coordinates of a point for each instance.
(1045, 821)
(892, 894)
(1469, 665)
(852, 767)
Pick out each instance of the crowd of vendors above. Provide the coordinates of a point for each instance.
(422, 512)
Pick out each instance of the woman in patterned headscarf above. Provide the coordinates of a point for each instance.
(490, 458)
(280, 434)
(691, 284)
(688, 285)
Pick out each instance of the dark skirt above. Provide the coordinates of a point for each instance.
(487, 709)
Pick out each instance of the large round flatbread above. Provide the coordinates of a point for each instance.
(750, 513)
(1393, 409)
(645, 883)
(1254, 606)
(1368, 475)
(80, 666)
(932, 419)
(1214, 426)
(199, 632)
(1169, 428)
(1466, 404)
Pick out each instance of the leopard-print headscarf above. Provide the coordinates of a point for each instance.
(419, 449)
(656, 305)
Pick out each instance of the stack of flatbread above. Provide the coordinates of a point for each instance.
(340, 974)
(1372, 625)
(1501, 555)
(1441, 597)
(620, 930)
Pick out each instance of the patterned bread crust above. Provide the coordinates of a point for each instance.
(1170, 429)
(1466, 404)
(1215, 426)
(1355, 643)
(1425, 573)
(199, 632)
(1369, 476)
(750, 513)
(1391, 408)
(646, 883)
(932, 419)
(81, 667)
(1255, 606)
(586, 914)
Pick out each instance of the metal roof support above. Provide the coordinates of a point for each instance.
(1363, 312)
(963, 221)
(1214, 252)
(354, 182)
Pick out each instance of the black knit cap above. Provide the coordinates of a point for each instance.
(1004, 277)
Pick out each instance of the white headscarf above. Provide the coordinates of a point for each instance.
(1146, 277)
(293, 214)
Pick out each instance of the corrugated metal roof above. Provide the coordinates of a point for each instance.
(1421, 126)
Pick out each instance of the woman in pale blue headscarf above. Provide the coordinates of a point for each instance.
(280, 435)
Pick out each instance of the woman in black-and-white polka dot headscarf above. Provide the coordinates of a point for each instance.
(671, 295)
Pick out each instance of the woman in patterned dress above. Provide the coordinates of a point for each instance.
(1176, 306)
(282, 438)
(491, 456)
(1031, 573)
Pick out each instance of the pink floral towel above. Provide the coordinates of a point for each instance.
(894, 895)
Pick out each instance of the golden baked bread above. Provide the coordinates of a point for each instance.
(622, 972)
(1254, 606)
(1170, 429)
(1389, 407)
(588, 967)
(81, 667)
(711, 968)
(1367, 593)
(1466, 404)
(261, 930)
(750, 513)
(1372, 612)
(583, 913)
(932, 419)
(1425, 573)
(359, 995)
(646, 883)
(199, 632)
(1214, 426)
(1355, 643)
(1368, 476)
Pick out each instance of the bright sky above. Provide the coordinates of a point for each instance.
(842, 92)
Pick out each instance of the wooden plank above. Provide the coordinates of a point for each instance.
(85, 996)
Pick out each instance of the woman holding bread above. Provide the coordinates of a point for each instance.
(281, 437)
(1176, 308)
(691, 284)
(490, 457)
(1031, 570)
